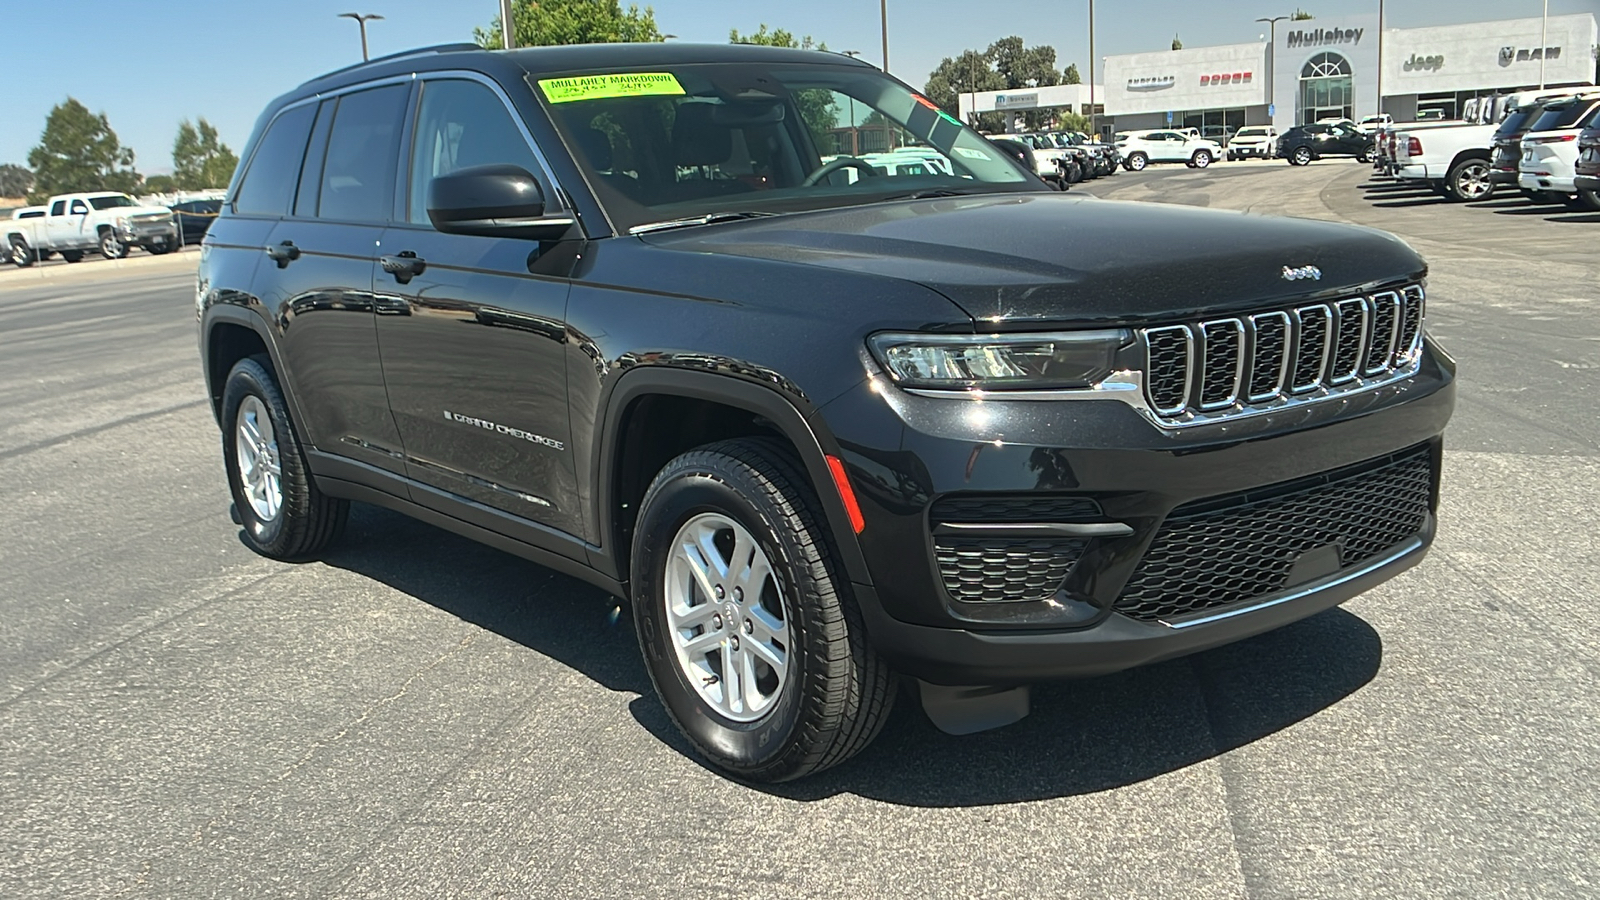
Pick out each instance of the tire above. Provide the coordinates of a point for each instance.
(1137, 162)
(302, 521)
(21, 256)
(832, 697)
(1468, 181)
(72, 256)
(1200, 160)
(1589, 200)
(1300, 156)
(163, 247)
(110, 247)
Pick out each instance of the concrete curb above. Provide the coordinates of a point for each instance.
(187, 258)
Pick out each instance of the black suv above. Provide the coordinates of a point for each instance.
(632, 312)
(1304, 143)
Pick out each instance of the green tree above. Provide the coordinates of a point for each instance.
(199, 159)
(1071, 121)
(15, 181)
(1071, 76)
(543, 23)
(1300, 15)
(78, 151)
(161, 184)
(1176, 44)
(969, 72)
(817, 107)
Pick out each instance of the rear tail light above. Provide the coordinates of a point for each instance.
(1414, 147)
(1554, 139)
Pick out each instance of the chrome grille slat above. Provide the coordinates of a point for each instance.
(1219, 368)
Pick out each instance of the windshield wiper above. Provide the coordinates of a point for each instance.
(708, 219)
(932, 192)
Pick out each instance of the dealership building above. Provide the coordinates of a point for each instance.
(1322, 68)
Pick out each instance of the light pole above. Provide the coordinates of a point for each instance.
(508, 33)
(855, 132)
(883, 18)
(362, 21)
(1094, 129)
(1544, 38)
(1272, 57)
(1379, 110)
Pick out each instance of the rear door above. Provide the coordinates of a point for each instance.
(322, 257)
(475, 342)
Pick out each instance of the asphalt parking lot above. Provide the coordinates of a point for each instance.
(422, 716)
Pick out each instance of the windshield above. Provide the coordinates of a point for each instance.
(111, 202)
(697, 140)
(1251, 132)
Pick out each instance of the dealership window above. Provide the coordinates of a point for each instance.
(1325, 88)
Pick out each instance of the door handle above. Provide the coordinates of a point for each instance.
(404, 265)
(283, 254)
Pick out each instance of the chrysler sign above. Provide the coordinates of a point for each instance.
(1155, 83)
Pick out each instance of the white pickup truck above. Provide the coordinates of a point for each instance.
(1454, 159)
(74, 224)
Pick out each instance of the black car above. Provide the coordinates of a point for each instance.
(195, 218)
(1304, 143)
(1586, 171)
(824, 427)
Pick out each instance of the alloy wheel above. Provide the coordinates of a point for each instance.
(260, 471)
(726, 617)
(1472, 181)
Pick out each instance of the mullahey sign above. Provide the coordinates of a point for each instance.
(1323, 36)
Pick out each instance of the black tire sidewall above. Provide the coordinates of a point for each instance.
(250, 379)
(743, 747)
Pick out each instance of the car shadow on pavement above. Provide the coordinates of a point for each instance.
(1102, 733)
(1430, 199)
(539, 608)
(1082, 737)
(1581, 218)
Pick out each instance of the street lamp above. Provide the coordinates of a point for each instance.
(362, 21)
(1094, 129)
(883, 18)
(1272, 58)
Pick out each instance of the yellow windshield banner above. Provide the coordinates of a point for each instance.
(606, 87)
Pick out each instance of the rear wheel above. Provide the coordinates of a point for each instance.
(1469, 180)
(1590, 200)
(1137, 162)
(1300, 157)
(282, 511)
(749, 633)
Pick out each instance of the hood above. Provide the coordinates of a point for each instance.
(1018, 260)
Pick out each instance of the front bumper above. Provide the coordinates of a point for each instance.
(144, 234)
(931, 449)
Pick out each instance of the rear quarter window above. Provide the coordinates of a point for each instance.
(275, 167)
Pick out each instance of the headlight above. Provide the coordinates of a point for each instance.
(999, 361)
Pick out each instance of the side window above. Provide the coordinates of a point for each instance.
(461, 124)
(305, 201)
(58, 208)
(270, 181)
(79, 209)
(358, 175)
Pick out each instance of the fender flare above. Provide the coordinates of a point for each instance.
(227, 314)
(807, 433)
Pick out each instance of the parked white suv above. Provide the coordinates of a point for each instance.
(1253, 140)
(1550, 150)
(1141, 148)
(77, 223)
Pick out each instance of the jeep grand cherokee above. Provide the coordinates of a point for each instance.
(826, 427)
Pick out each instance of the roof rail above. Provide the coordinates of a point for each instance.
(415, 51)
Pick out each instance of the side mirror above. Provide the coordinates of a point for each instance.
(492, 201)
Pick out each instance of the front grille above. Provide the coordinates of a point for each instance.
(1224, 367)
(989, 569)
(1216, 553)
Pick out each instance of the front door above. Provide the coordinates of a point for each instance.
(473, 331)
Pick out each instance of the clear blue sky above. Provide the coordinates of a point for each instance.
(149, 64)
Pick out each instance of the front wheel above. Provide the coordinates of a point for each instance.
(110, 247)
(1137, 162)
(21, 255)
(283, 512)
(747, 626)
(1201, 159)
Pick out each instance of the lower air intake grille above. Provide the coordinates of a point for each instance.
(990, 570)
(1213, 554)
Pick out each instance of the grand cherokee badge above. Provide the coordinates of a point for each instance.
(1302, 273)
